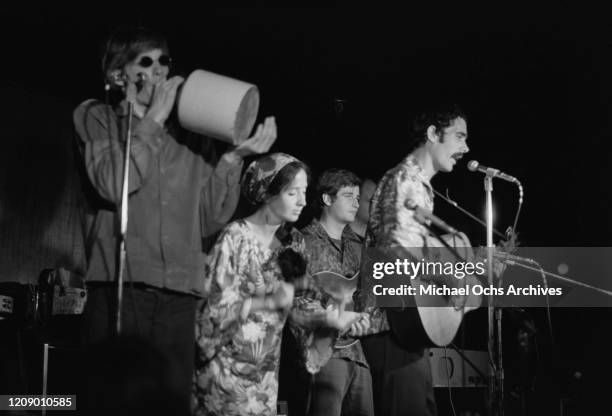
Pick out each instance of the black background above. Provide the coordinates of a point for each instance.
(535, 82)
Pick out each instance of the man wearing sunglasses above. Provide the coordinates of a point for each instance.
(179, 191)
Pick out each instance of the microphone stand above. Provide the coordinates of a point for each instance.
(496, 370)
(539, 269)
(467, 360)
(130, 98)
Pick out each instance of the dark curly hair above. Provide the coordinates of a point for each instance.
(441, 117)
(330, 182)
(292, 263)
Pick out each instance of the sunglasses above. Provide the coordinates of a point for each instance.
(147, 61)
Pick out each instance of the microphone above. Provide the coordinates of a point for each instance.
(495, 173)
(120, 80)
(116, 79)
(422, 215)
(141, 78)
(505, 256)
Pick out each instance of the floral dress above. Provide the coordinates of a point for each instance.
(239, 353)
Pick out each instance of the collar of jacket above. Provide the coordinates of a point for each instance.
(315, 228)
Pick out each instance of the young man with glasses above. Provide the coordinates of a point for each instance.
(179, 193)
(337, 377)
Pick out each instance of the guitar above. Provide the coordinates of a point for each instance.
(436, 318)
(340, 289)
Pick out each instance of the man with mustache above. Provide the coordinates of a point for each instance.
(401, 373)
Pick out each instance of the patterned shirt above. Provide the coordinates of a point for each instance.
(239, 355)
(342, 257)
(392, 222)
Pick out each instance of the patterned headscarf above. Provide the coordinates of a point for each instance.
(260, 174)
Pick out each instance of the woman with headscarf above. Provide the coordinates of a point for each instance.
(239, 328)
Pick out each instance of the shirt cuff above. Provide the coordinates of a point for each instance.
(230, 168)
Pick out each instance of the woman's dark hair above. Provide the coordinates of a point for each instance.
(126, 43)
(285, 176)
(282, 179)
(292, 264)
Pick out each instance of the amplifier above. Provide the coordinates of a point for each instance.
(448, 364)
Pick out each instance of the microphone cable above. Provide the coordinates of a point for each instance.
(448, 378)
(518, 209)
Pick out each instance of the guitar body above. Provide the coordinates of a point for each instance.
(439, 317)
(340, 290)
(434, 320)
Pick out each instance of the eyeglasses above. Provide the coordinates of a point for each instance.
(147, 61)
